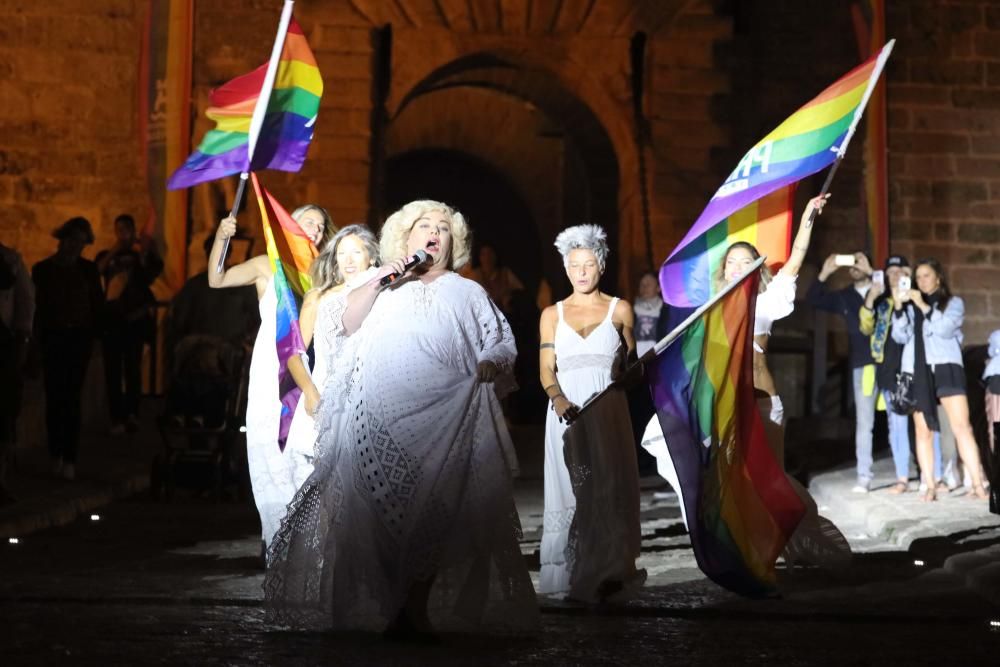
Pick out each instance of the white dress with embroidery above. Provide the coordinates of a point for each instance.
(331, 351)
(569, 567)
(416, 481)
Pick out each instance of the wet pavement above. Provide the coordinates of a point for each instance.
(148, 583)
(154, 583)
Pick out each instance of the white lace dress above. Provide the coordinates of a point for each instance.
(416, 481)
(334, 357)
(268, 467)
(578, 559)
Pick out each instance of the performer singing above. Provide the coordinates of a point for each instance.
(586, 340)
(417, 529)
(270, 471)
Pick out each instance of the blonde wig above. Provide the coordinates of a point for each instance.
(397, 228)
(325, 272)
(584, 237)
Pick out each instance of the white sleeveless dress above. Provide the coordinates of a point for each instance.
(570, 566)
(268, 466)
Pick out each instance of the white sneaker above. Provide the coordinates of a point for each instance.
(860, 487)
(69, 472)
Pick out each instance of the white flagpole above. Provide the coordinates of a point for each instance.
(259, 111)
(883, 56)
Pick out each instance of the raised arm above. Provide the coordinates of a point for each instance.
(943, 324)
(547, 365)
(361, 300)
(866, 314)
(800, 245)
(254, 271)
(902, 324)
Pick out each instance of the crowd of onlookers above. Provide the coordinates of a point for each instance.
(906, 356)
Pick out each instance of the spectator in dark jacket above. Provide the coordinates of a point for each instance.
(68, 305)
(847, 303)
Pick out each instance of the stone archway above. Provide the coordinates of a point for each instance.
(530, 129)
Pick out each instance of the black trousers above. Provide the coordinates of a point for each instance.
(122, 347)
(65, 355)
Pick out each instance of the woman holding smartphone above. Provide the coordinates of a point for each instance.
(928, 321)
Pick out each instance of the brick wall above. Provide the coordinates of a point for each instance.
(944, 140)
(944, 127)
(718, 80)
(67, 119)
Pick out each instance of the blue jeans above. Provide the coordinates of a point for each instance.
(864, 414)
(899, 439)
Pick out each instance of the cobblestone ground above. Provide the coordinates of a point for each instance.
(151, 584)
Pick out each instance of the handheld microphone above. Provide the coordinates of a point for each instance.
(419, 257)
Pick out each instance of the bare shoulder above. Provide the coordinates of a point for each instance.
(550, 314)
(623, 311)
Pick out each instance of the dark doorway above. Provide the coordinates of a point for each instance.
(494, 210)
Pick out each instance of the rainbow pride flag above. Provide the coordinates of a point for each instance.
(809, 140)
(765, 223)
(288, 276)
(288, 123)
(740, 507)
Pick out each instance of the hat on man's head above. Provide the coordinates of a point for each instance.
(896, 260)
(78, 224)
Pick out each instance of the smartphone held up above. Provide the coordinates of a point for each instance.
(844, 260)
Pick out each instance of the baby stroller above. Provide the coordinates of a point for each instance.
(201, 428)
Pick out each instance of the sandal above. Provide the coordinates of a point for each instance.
(929, 496)
(978, 493)
(899, 487)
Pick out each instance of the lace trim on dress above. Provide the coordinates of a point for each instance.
(578, 361)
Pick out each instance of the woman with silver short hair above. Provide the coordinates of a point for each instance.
(588, 552)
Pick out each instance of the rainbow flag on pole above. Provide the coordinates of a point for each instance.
(289, 275)
(811, 139)
(287, 127)
(740, 507)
